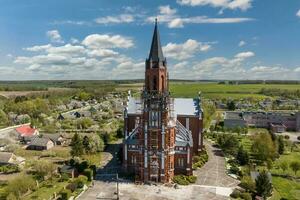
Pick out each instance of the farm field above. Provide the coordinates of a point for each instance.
(214, 90)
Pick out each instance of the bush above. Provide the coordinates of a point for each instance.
(286, 137)
(180, 180)
(81, 181)
(246, 196)
(64, 177)
(248, 184)
(82, 166)
(192, 179)
(234, 169)
(65, 194)
(235, 194)
(72, 186)
(298, 138)
(184, 180)
(89, 174)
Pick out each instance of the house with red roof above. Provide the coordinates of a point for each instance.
(26, 132)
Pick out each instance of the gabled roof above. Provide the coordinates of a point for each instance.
(156, 53)
(5, 157)
(40, 142)
(26, 130)
(53, 137)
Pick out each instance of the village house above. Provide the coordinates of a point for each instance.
(26, 132)
(57, 139)
(161, 133)
(40, 144)
(7, 158)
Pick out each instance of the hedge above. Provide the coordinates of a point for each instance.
(184, 180)
(89, 174)
(65, 194)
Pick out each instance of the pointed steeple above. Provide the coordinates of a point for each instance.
(156, 53)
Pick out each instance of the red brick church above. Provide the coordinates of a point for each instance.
(161, 133)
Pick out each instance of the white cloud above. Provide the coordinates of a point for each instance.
(167, 10)
(123, 18)
(242, 43)
(298, 13)
(70, 22)
(54, 36)
(244, 55)
(96, 41)
(224, 4)
(297, 69)
(173, 20)
(185, 50)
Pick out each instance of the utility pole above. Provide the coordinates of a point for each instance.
(117, 186)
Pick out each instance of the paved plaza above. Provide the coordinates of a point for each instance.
(213, 183)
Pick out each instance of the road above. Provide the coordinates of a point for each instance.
(213, 173)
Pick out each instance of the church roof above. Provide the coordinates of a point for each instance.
(156, 53)
(182, 106)
(183, 136)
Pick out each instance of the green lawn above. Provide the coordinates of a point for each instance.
(286, 188)
(293, 156)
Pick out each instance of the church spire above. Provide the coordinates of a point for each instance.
(156, 53)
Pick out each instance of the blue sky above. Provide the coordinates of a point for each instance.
(102, 39)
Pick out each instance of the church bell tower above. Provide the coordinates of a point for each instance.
(158, 132)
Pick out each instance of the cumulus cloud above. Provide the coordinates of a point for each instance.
(242, 43)
(96, 41)
(185, 50)
(173, 20)
(54, 36)
(95, 57)
(123, 18)
(244, 55)
(224, 4)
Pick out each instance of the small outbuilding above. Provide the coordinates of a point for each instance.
(7, 158)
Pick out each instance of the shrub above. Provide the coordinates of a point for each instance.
(248, 184)
(192, 179)
(80, 181)
(89, 174)
(286, 137)
(64, 177)
(82, 166)
(180, 180)
(298, 138)
(184, 180)
(234, 169)
(246, 196)
(235, 194)
(72, 186)
(65, 194)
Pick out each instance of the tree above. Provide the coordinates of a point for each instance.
(86, 144)
(242, 156)
(263, 148)
(76, 145)
(231, 105)
(44, 168)
(295, 166)
(263, 185)
(228, 143)
(283, 165)
(20, 185)
(280, 145)
(3, 118)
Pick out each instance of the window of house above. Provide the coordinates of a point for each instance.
(133, 159)
(154, 118)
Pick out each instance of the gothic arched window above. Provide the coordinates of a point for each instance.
(154, 83)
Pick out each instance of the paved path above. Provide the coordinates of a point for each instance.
(213, 173)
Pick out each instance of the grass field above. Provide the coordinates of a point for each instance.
(285, 188)
(214, 90)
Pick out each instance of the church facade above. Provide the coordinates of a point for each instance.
(161, 133)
